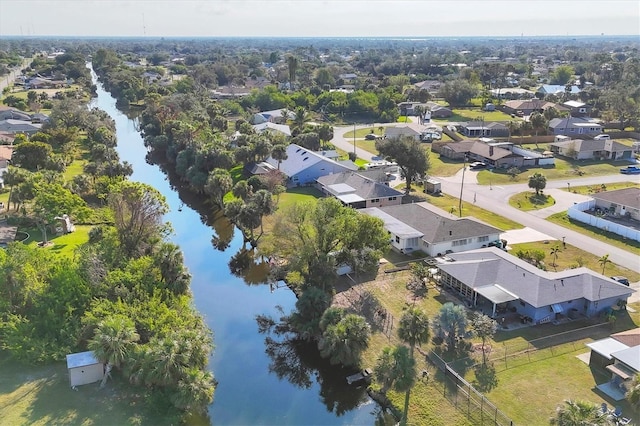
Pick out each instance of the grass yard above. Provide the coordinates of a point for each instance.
(74, 169)
(590, 189)
(527, 201)
(41, 395)
(573, 257)
(369, 146)
(298, 195)
(448, 202)
(607, 237)
(475, 113)
(64, 245)
(564, 169)
(361, 133)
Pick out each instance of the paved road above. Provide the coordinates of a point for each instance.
(495, 199)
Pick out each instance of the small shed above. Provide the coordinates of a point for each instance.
(84, 368)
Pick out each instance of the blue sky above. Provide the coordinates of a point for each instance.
(314, 18)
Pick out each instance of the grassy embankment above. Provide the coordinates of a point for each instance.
(527, 201)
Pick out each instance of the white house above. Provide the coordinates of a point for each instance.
(303, 166)
(84, 368)
(397, 131)
(421, 226)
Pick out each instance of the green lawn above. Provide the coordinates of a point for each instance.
(606, 237)
(471, 114)
(590, 189)
(298, 195)
(564, 169)
(74, 169)
(528, 200)
(573, 257)
(369, 146)
(41, 395)
(64, 245)
(361, 133)
(442, 166)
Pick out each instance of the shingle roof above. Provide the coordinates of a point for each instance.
(629, 197)
(391, 132)
(629, 337)
(362, 186)
(489, 266)
(435, 227)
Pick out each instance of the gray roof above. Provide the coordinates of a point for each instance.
(362, 186)
(587, 145)
(607, 346)
(392, 132)
(299, 159)
(630, 357)
(484, 124)
(81, 359)
(392, 224)
(282, 128)
(435, 227)
(629, 197)
(572, 121)
(490, 266)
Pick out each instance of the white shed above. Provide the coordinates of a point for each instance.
(84, 368)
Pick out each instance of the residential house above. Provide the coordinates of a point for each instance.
(620, 202)
(304, 167)
(439, 111)
(511, 93)
(272, 127)
(431, 86)
(577, 109)
(230, 92)
(590, 149)
(397, 131)
(421, 226)
(528, 106)
(355, 190)
(6, 138)
(493, 280)
(493, 156)
(8, 113)
(619, 355)
(348, 77)
(574, 126)
(5, 158)
(484, 129)
(557, 89)
(15, 127)
(276, 116)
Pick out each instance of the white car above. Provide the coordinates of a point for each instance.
(602, 137)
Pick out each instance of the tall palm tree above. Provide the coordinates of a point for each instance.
(194, 391)
(579, 413)
(279, 153)
(301, 117)
(112, 341)
(344, 342)
(414, 328)
(292, 63)
(604, 261)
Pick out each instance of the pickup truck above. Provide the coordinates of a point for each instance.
(630, 170)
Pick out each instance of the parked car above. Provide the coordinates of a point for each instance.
(477, 165)
(621, 280)
(630, 170)
(602, 137)
(371, 137)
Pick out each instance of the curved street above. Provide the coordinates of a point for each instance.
(495, 198)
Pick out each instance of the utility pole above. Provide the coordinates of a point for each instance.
(464, 168)
(354, 138)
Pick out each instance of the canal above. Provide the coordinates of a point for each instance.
(296, 387)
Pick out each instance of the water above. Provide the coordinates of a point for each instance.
(247, 393)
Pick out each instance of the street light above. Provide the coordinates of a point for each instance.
(464, 168)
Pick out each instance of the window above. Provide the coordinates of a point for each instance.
(397, 239)
(392, 198)
(375, 200)
(483, 239)
(458, 243)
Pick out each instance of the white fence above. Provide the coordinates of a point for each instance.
(577, 212)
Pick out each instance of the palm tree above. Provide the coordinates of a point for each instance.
(603, 261)
(579, 413)
(218, 184)
(113, 339)
(279, 153)
(13, 176)
(344, 342)
(538, 122)
(633, 394)
(450, 324)
(194, 391)
(537, 181)
(292, 63)
(554, 253)
(484, 327)
(414, 328)
(301, 117)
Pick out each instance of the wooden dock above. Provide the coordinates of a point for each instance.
(363, 375)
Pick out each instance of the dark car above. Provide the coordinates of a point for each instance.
(371, 137)
(630, 170)
(621, 280)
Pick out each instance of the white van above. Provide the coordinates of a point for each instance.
(602, 137)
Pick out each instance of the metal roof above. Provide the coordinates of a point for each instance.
(81, 359)
(606, 347)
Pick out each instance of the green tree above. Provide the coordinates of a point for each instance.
(539, 122)
(219, 183)
(562, 74)
(633, 393)
(32, 156)
(484, 327)
(344, 341)
(554, 252)
(414, 328)
(409, 154)
(112, 342)
(458, 92)
(579, 413)
(450, 325)
(279, 153)
(292, 64)
(537, 181)
(395, 369)
(53, 200)
(604, 261)
(138, 211)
